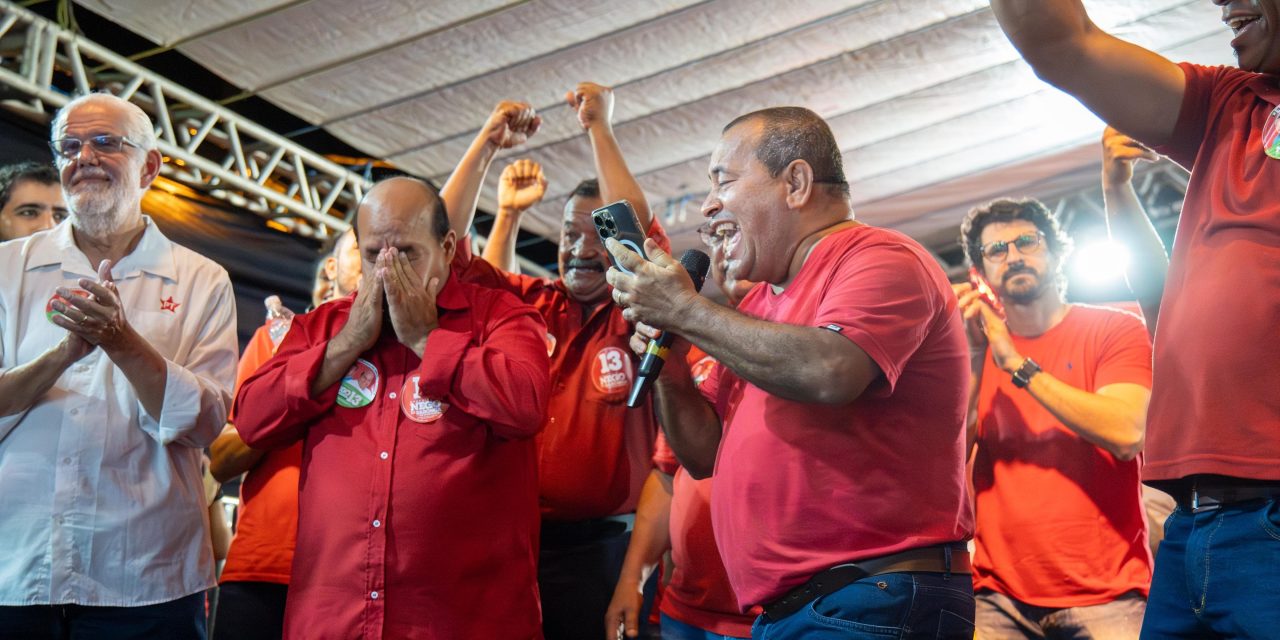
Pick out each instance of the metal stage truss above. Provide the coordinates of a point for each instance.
(207, 147)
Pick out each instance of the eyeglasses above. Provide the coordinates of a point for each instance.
(1027, 244)
(70, 148)
(713, 237)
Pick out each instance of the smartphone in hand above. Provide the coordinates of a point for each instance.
(984, 289)
(618, 221)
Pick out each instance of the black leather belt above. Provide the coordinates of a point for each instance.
(1199, 495)
(935, 559)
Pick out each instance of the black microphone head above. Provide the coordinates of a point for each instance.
(697, 264)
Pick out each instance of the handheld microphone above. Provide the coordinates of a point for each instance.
(696, 263)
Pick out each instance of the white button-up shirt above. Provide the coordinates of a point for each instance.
(99, 503)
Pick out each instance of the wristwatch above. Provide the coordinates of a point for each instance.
(1022, 377)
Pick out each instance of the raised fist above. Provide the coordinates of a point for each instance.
(511, 124)
(522, 185)
(594, 104)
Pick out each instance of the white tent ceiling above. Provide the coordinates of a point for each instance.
(931, 105)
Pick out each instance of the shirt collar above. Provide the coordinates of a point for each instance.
(451, 296)
(154, 254)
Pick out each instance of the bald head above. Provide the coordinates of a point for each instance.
(404, 202)
(407, 214)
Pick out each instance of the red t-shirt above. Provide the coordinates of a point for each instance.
(699, 593)
(267, 523)
(593, 452)
(417, 504)
(800, 488)
(1060, 521)
(1214, 402)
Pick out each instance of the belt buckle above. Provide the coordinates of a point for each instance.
(1196, 507)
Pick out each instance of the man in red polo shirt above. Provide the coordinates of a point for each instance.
(1058, 420)
(416, 403)
(835, 421)
(675, 513)
(1213, 435)
(593, 453)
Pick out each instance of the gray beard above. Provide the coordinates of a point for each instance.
(101, 213)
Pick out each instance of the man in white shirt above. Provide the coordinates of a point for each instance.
(117, 353)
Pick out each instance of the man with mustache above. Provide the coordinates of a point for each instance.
(835, 421)
(109, 390)
(593, 453)
(1057, 411)
(1214, 423)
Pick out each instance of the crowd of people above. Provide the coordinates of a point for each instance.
(853, 446)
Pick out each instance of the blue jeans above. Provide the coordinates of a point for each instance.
(181, 619)
(891, 605)
(673, 629)
(1216, 574)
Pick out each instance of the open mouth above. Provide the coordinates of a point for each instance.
(1240, 23)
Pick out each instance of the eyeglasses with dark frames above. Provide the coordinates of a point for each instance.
(1027, 244)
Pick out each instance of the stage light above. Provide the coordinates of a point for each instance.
(1099, 263)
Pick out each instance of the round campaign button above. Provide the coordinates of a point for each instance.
(701, 370)
(48, 306)
(611, 370)
(359, 386)
(418, 407)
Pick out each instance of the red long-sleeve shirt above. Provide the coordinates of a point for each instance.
(409, 529)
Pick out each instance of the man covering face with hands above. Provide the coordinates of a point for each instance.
(416, 402)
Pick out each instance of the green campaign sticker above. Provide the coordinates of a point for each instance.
(359, 386)
(1271, 135)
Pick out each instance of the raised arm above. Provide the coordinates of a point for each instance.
(509, 125)
(1127, 222)
(521, 186)
(1137, 90)
(594, 104)
(1113, 417)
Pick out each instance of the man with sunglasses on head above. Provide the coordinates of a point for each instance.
(117, 353)
(1215, 414)
(1057, 411)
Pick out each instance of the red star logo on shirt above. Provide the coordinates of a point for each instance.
(169, 305)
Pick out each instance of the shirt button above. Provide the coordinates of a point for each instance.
(374, 595)
(66, 461)
(75, 412)
(377, 523)
(383, 455)
(392, 395)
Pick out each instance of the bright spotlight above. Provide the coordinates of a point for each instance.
(1099, 263)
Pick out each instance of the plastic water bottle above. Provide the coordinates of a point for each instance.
(279, 317)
